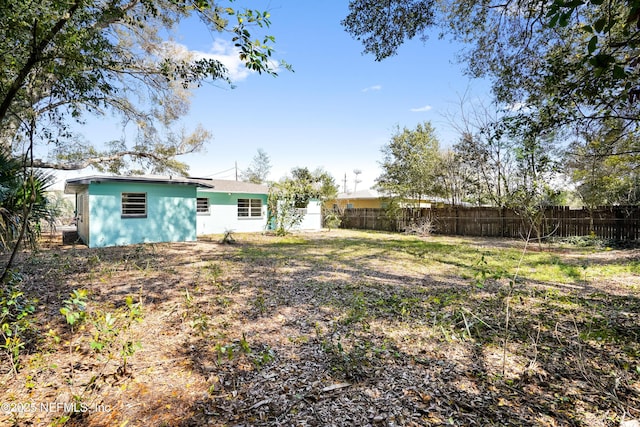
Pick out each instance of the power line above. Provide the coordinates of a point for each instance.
(221, 172)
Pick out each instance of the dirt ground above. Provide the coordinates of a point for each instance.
(327, 329)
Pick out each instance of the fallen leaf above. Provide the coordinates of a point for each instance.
(335, 387)
(259, 404)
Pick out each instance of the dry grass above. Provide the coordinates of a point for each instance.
(339, 328)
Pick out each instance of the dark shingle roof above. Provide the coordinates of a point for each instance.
(217, 185)
(228, 186)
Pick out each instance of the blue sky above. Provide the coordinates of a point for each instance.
(335, 111)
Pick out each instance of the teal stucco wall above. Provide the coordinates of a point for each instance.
(171, 214)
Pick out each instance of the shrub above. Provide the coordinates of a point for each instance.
(422, 227)
(16, 309)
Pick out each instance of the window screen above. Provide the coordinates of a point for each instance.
(202, 205)
(134, 205)
(249, 208)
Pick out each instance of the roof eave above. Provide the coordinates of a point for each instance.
(72, 185)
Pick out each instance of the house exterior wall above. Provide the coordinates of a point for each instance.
(223, 214)
(313, 218)
(357, 203)
(171, 214)
(362, 203)
(375, 203)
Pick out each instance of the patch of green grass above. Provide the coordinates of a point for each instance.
(403, 307)
(290, 240)
(450, 255)
(254, 252)
(614, 269)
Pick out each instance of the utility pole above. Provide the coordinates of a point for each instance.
(344, 184)
(236, 170)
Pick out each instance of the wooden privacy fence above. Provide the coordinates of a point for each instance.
(608, 222)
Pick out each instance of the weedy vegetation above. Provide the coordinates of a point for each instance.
(348, 325)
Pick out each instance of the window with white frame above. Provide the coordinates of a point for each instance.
(202, 206)
(134, 205)
(249, 208)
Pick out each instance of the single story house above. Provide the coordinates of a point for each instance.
(373, 199)
(357, 200)
(119, 210)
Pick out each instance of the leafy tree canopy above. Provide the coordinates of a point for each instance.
(600, 178)
(62, 61)
(411, 163)
(289, 196)
(258, 170)
(382, 26)
(569, 63)
(561, 69)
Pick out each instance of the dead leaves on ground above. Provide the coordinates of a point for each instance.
(335, 329)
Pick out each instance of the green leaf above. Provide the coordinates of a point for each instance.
(564, 19)
(593, 44)
(96, 346)
(599, 24)
(618, 72)
(604, 60)
(587, 28)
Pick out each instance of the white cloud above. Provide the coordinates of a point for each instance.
(518, 106)
(421, 109)
(225, 52)
(370, 88)
(221, 50)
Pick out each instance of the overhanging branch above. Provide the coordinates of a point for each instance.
(69, 166)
